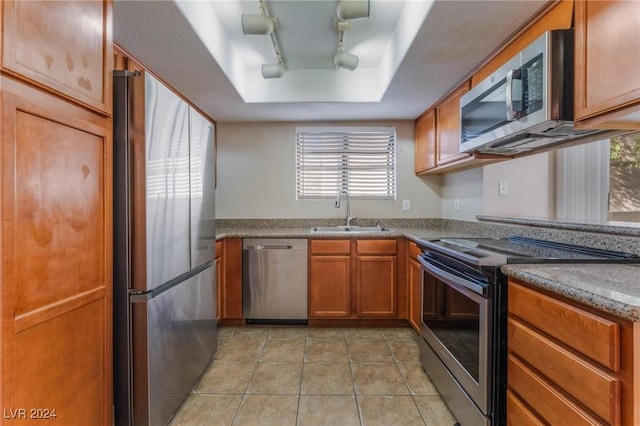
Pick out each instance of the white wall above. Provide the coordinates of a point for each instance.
(466, 188)
(531, 189)
(256, 176)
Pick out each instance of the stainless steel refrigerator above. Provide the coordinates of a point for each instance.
(164, 242)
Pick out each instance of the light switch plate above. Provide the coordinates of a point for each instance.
(406, 204)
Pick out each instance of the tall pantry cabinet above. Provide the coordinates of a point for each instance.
(56, 201)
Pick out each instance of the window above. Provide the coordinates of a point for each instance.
(358, 160)
(599, 181)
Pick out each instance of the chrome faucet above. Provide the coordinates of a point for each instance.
(346, 194)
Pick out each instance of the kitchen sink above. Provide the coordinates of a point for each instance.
(349, 229)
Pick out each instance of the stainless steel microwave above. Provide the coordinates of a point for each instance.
(526, 104)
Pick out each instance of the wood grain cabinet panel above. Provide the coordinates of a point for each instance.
(594, 336)
(376, 247)
(330, 286)
(56, 242)
(607, 51)
(232, 278)
(552, 405)
(345, 283)
(219, 265)
(330, 247)
(570, 363)
(518, 414)
(595, 388)
(62, 46)
(425, 142)
(415, 287)
(376, 286)
(448, 127)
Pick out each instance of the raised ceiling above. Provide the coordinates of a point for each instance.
(411, 53)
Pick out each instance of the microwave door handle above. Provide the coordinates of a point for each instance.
(511, 113)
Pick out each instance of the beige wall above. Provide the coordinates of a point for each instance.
(256, 176)
(531, 186)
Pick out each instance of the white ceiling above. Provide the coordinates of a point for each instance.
(411, 53)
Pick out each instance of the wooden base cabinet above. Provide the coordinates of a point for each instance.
(352, 279)
(567, 363)
(230, 284)
(415, 287)
(219, 264)
(330, 279)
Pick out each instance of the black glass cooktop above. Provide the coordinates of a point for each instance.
(500, 251)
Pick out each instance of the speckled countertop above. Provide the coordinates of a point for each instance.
(610, 288)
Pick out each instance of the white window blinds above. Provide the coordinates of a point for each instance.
(358, 160)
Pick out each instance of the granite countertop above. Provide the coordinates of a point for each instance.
(610, 288)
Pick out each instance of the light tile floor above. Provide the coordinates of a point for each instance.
(315, 376)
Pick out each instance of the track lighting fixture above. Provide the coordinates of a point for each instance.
(348, 10)
(345, 60)
(259, 24)
(273, 70)
(263, 24)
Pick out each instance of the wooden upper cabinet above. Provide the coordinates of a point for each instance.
(61, 46)
(425, 142)
(448, 127)
(607, 59)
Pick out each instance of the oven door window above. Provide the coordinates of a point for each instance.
(454, 319)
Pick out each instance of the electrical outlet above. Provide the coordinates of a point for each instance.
(406, 204)
(503, 188)
(456, 204)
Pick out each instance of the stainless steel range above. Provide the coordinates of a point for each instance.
(464, 308)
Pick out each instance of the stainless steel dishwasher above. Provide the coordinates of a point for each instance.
(274, 281)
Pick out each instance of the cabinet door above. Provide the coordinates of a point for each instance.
(448, 127)
(219, 286)
(415, 294)
(425, 142)
(376, 286)
(330, 286)
(232, 290)
(61, 45)
(56, 242)
(607, 56)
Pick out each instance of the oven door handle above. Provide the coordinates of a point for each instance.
(451, 278)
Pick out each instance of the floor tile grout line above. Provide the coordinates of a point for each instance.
(266, 338)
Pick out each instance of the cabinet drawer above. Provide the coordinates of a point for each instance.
(590, 385)
(330, 246)
(547, 401)
(414, 250)
(219, 248)
(376, 247)
(518, 414)
(594, 336)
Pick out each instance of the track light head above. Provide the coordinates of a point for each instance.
(273, 70)
(259, 24)
(348, 10)
(345, 60)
